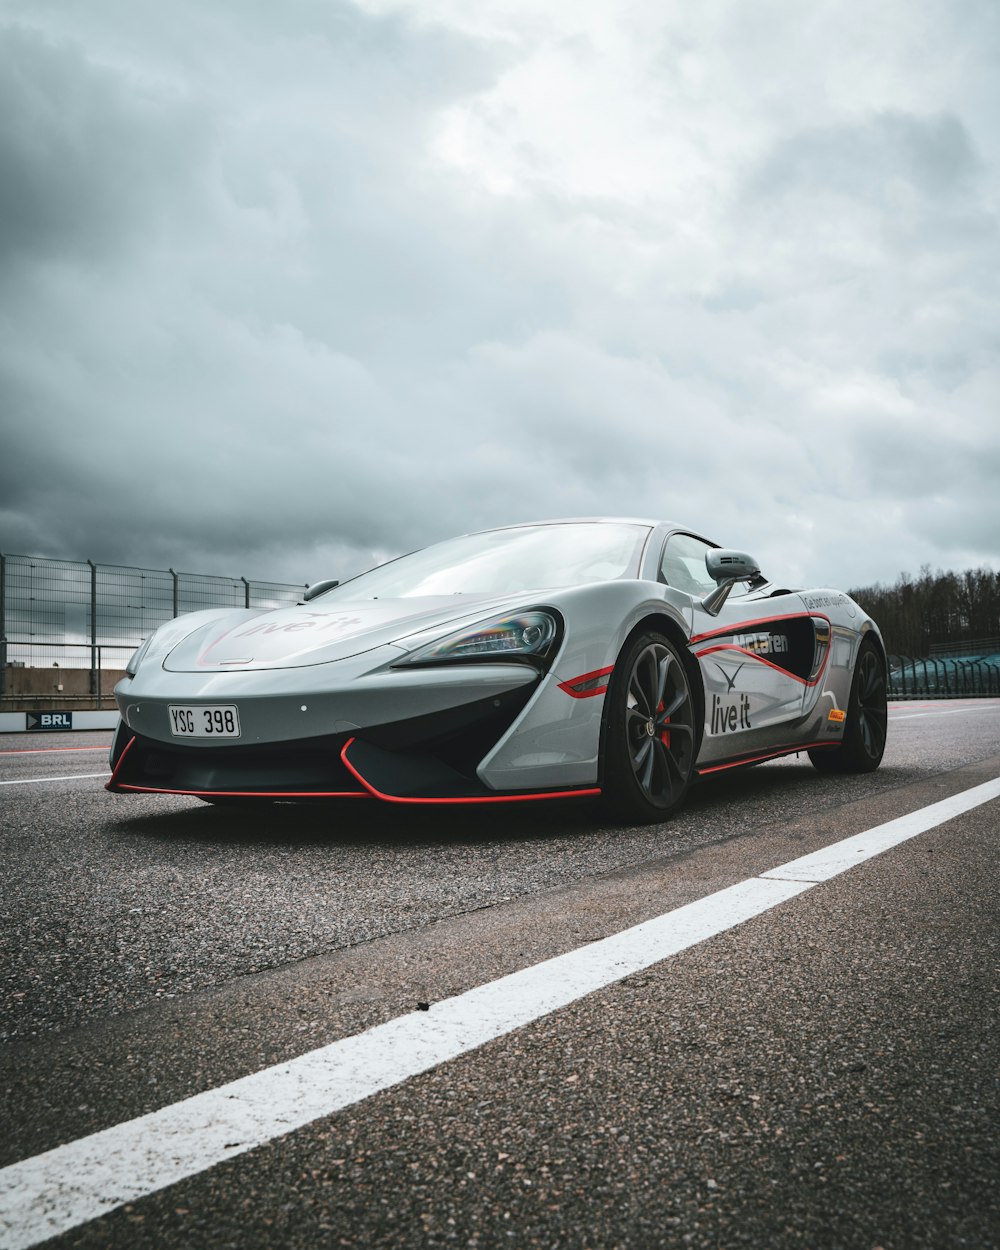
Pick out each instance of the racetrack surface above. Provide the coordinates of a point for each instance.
(823, 1074)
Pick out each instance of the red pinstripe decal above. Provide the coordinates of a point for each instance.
(727, 646)
(752, 625)
(487, 798)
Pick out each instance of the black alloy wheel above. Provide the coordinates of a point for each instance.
(863, 744)
(650, 735)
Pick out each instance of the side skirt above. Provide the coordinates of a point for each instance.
(760, 757)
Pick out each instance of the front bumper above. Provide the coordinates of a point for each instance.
(432, 757)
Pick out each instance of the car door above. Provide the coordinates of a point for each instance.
(759, 657)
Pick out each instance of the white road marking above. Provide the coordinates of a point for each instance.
(34, 781)
(952, 711)
(51, 1193)
(835, 859)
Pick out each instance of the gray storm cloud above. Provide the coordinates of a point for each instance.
(289, 289)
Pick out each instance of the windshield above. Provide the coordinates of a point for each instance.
(531, 557)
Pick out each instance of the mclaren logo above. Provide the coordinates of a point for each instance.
(730, 680)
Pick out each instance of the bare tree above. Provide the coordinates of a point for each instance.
(935, 609)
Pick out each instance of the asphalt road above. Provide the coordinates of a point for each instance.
(823, 1075)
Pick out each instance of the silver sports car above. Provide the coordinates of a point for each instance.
(612, 657)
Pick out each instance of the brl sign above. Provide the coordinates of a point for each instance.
(41, 722)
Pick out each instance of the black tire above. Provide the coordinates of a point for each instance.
(650, 731)
(863, 744)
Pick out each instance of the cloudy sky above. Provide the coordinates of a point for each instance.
(287, 288)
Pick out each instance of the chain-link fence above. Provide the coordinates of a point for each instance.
(80, 621)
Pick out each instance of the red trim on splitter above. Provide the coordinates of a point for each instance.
(115, 785)
(250, 794)
(767, 755)
(469, 799)
(111, 784)
(587, 684)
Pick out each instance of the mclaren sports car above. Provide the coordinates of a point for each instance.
(612, 657)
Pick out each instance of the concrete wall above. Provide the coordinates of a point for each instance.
(30, 689)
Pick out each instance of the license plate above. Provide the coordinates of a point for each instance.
(205, 720)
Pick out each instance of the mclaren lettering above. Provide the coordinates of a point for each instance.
(762, 644)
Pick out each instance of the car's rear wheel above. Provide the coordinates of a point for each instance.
(649, 737)
(863, 744)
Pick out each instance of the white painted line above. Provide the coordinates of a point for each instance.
(831, 860)
(34, 781)
(951, 711)
(53, 1192)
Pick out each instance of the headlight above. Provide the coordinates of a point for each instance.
(137, 656)
(528, 636)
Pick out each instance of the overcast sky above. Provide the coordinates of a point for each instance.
(289, 288)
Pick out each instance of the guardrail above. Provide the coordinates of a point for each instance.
(939, 678)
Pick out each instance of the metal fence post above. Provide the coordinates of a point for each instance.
(174, 577)
(93, 626)
(246, 592)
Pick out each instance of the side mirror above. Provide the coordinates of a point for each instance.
(724, 565)
(319, 588)
(726, 568)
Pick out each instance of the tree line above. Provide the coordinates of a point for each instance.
(934, 608)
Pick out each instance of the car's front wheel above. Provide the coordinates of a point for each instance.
(649, 734)
(863, 743)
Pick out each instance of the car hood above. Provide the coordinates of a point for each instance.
(318, 634)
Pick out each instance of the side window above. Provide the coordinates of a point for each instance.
(683, 564)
